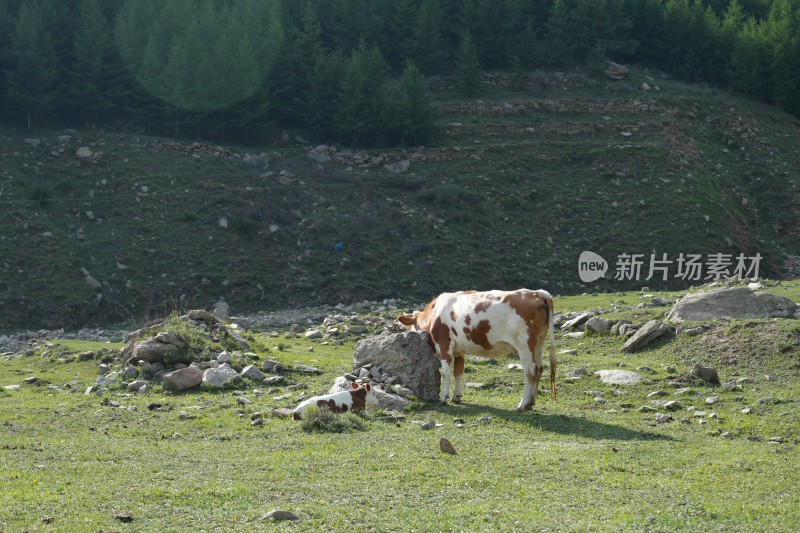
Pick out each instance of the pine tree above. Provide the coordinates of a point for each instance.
(324, 93)
(415, 116)
(360, 101)
(200, 55)
(32, 72)
(427, 46)
(468, 65)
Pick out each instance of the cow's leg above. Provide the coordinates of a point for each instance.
(447, 370)
(458, 372)
(531, 380)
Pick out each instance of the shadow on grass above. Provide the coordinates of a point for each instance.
(554, 423)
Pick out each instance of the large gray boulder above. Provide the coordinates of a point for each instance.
(732, 302)
(406, 355)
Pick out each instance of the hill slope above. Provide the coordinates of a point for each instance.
(520, 183)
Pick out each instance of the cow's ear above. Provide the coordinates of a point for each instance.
(367, 386)
(407, 320)
(354, 385)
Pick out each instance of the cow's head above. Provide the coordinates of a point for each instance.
(418, 321)
(370, 400)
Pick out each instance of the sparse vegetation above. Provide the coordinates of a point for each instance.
(198, 462)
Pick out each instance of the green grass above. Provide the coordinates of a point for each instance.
(198, 464)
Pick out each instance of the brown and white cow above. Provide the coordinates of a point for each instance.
(490, 324)
(355, 399)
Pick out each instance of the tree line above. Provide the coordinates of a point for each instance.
(358, 70)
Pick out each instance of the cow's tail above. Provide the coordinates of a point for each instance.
(551, 326)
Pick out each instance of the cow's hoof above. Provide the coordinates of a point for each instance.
(523, 408)
(443, 401)
(457, 399)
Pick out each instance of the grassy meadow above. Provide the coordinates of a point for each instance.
(592, 461)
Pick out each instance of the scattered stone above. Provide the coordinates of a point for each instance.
(182, 379)
(672, 405)
(225, 357)
(746, 411)
(731, 302)
(646, 334)
(597, 324)
(125, 516)
(727, 435)
(647, 408)
(711, 400)
(313, 334)
(84, 152)
(568, 352)
(577, 373)
(152, 406)
(615, 71)
(220, 376)
(307, 369)
(576, 322)
(252, 372)
(427, 425)
(270, 366)
(662, 418)
(282, 412)
(279, 515)
(657, 394)
(706, 373)
(619, 377)
(446, 446)
(776, 440)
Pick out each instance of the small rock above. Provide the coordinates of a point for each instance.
(661, 418)
(277, 514)
(727, 435)
(657, 394)
(125, 516)
(706, 373)
(252, 372)
(619, 377)
(445, 446)
(282, 412)
(711, 400)
(672, 405)
(776, 440)
(427, 425)
(746, 411)
(307, 369)
(578, 372)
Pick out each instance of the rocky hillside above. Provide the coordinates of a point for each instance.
(101, 226)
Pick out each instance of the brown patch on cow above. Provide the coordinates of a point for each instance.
(440, 333)
(452, 315)
(468, 320)
(479, 334)
(535, 312)
(482, 306)
(458, 368)
(331, 406)
(359, 398)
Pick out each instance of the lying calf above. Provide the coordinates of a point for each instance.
(355, 399)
